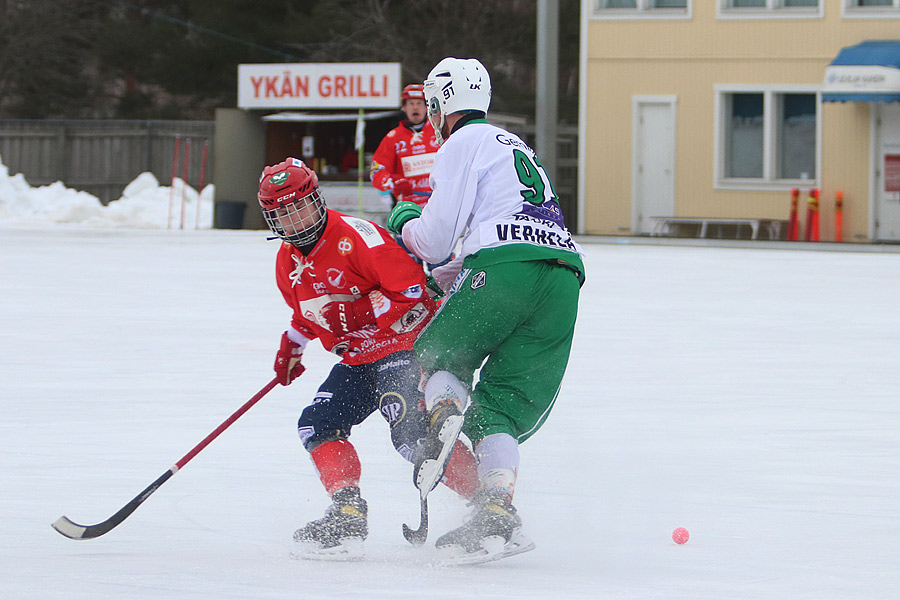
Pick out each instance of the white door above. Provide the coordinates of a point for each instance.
(887, 174)
(653, 161)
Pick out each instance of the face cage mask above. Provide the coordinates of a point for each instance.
(299, 223)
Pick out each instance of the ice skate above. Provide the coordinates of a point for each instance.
(493, 531)
(339, 535)
(444, 425)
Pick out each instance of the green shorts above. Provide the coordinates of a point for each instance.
(520, 316)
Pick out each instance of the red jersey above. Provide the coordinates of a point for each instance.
(404, 153)
(354, 258)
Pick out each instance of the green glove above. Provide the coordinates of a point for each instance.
(432, 285)
(401, 214)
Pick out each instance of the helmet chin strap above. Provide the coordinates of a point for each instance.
(438, 128)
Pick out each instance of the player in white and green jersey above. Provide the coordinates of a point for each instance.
(513, 298)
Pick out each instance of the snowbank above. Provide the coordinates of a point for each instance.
(144, 204)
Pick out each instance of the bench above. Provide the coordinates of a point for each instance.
(707, 227)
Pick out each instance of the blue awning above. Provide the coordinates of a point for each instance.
(866, 72)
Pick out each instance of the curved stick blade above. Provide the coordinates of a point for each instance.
(417, 537)
(69, 528)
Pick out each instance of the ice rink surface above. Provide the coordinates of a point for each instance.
(749, 395)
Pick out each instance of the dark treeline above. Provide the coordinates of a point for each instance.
(154, 59)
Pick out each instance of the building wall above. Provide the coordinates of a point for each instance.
(688, 58)
(241, 150)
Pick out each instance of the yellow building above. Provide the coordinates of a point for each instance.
(717, 109)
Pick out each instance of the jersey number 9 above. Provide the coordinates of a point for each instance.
(532, 175)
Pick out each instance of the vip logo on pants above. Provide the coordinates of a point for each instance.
(478, 279)
(393, 407)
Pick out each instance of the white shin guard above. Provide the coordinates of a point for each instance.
(443, 385)
(497, 456)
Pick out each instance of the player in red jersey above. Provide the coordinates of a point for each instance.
(355, 290)
(402, 162)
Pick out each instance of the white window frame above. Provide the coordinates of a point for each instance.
(774, 9)
(767, 182)
(644, 10)
(849, 10)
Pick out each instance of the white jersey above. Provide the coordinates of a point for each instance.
(489, 189)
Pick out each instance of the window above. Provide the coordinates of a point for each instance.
(643, 4)
(768, 9)
(642, 9)
(795, 128)
(770, 4)
(766, 138)
(871, 8)
(744, 135)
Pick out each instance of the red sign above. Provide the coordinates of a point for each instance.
(892, 172)
(319, 85)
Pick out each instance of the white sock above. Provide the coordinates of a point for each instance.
(497, 456)
(443, 385)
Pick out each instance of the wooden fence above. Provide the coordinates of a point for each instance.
(102, 157)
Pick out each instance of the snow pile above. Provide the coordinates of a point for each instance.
(144, 204)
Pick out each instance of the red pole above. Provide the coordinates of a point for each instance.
(792, 220)
(839, 216)
(172, 182)
(185, 173)
(202, 178)
(815, 234)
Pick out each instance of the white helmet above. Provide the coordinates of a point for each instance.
(454, 85)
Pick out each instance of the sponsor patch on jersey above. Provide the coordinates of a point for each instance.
(345, 246)
(341, 347)
(372, 345)
(413, 292)
(478, 280)
(418, 164)
(336, 277)
(366, 231)
(411, 319)
(392, 407)
(380, 303)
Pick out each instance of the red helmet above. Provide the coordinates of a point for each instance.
(413, 90)
(291, 202)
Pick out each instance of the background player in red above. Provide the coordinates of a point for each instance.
(402, 162)
(351, 286)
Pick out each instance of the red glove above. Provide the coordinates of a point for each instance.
(287, 361)
(403, 187)
(344, 317)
